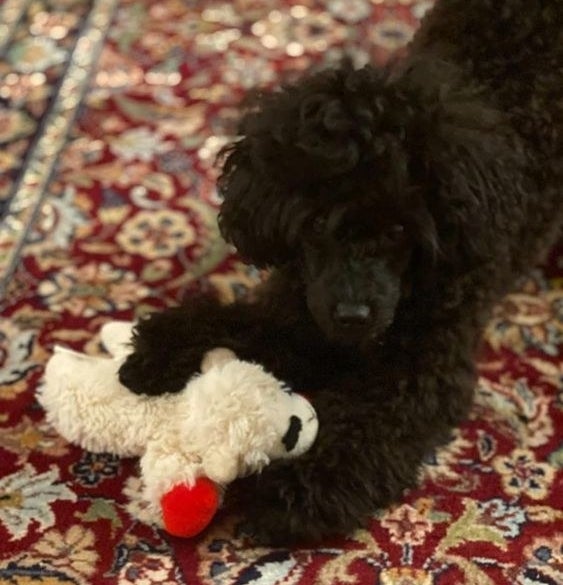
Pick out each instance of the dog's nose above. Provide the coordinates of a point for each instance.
(349, 314)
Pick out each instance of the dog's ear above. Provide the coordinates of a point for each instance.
(253, 209)
(292, 140)
(468, 158)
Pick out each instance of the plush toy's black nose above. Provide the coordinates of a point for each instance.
(350, 314)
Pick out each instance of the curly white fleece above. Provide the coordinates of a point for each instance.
(227, 422)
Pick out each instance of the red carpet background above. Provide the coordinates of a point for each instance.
(111, 113)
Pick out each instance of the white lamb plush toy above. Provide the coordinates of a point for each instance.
(229, 421)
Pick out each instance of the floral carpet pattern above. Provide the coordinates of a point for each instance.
(111, 114)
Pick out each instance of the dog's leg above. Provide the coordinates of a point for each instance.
(168, 348)
(370, 448)
(351, 470)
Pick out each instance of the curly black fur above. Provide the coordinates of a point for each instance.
(396, 207)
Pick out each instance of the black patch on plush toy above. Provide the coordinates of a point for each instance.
(292, 436)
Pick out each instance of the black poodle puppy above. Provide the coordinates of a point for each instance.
(395, 208)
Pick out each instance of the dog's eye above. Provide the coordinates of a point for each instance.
(319, 225)
(372, 248)
(394, 234)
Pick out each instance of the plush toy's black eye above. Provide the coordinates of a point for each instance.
(292, 435)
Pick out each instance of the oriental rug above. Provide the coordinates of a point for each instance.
(111, 114)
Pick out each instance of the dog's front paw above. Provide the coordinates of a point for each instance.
(272, 526)
(155, 375)
(282, 507)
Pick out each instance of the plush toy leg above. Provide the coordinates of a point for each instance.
(186, 511)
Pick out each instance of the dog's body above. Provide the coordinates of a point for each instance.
(396, 208)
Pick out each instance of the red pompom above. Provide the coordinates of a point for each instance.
(187, 511)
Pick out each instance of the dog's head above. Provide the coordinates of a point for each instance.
(369, 184)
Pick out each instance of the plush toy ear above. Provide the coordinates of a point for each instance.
(116, 337)
(217, 357)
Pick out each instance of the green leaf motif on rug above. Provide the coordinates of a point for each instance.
(556, 458)
(468, 528)
(101, 509)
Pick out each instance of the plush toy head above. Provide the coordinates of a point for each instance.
(238, 418)
(246, 418)
(229, 421)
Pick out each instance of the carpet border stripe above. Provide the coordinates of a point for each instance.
(29, 191)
